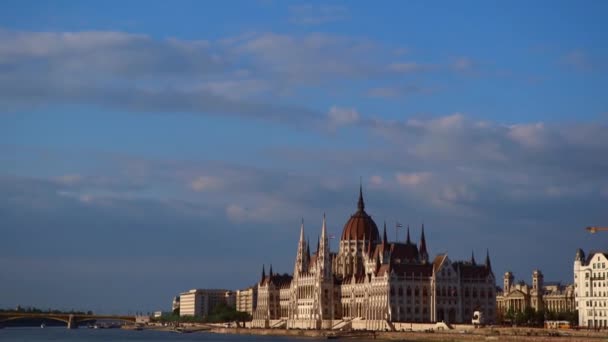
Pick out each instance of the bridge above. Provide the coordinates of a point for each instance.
(72, 320)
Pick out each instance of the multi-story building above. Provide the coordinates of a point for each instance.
(591, 288)
(373, 280)
(247, 299)
(175, 305)
(201, 302)
(553, 296)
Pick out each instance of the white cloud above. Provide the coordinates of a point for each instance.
(70, 179)
(203, 183)
(529, 135)
(412, 179)
(376, 180)
(342, 116)
(458, 193)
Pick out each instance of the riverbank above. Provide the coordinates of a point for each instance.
(483, 334)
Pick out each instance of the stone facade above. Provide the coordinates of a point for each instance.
(553, 297)
(591, 287)
(372, 282)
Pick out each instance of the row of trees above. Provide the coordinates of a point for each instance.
(537, 318)
(31, 309)
(220, 314)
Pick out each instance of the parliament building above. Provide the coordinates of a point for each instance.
(373, 283)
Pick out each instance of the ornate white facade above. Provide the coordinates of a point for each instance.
(373, 280)
(553, 297)
(591, 288)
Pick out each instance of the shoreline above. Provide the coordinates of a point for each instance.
(482, 334)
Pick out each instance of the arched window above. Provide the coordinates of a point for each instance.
(474, 293)
(400, 291)
(392, 291)
(443, 293)
(416, 292)
(424, 292)
(408, 292)
(466, 292)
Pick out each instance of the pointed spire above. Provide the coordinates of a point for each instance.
(270, 272)
(302, 231)
(408, 241)
(307, 250)
(473, 258)
(318, 244)
(301, 263)
(488, 264)
(324, 229)
(263, 273)
(360, 204)
(384, 239)
(424, 255)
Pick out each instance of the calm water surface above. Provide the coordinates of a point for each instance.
(62, 334)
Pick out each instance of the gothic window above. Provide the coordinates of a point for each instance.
(400, 291)
(474, 293)
(392, 291)
(466, 292)
(424, 292)
(482, 293)
(443, 293)
(416, 292)
(437, 292)
(408, 292)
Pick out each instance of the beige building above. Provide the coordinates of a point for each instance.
(247, 299)
(591, 284)
(201, 302)
(373, 283)
(553, 297)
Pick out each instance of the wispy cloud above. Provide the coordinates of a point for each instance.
(317, 14)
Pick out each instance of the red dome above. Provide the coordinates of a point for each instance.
(360, 226)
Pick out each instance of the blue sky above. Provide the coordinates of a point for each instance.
(160, 146)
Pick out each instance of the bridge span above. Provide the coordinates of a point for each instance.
(72, 320)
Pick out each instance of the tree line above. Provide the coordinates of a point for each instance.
(537, 318)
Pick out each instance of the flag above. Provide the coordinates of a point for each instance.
(332, 236)
(398, 225)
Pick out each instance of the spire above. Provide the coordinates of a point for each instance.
(263, 273)
(301, 262)
(360, 204)
(384, 239)
(307, 251)
(408, 241)
(424, 255)
(318, 244)
(270, 272)
(323, 253)
(473, 258)
(488, 264)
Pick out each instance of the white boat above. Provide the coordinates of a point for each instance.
(43, 325)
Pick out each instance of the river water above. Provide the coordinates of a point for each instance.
(34, 334)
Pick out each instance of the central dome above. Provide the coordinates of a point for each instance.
(360, 226)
